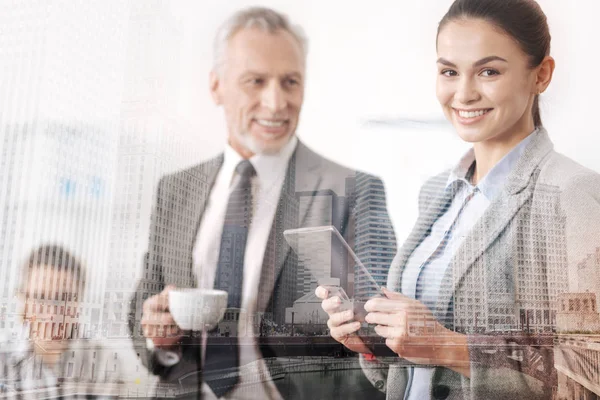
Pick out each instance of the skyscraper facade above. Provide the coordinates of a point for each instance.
(376, 242)
(153, 141)
(539, 261)
(59, 107)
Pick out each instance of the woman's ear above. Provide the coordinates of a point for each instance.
(544, 73)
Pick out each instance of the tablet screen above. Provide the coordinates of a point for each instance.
(325, 254)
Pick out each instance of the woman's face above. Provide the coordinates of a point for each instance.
(484, 82)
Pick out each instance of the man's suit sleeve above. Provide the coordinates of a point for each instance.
(152, 256)
(187, 368)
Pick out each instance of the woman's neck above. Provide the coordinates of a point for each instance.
(488, 153)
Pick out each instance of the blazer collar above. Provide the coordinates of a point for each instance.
(537, 149)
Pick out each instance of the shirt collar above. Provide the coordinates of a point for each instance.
(461, 170)
(269, 167)
(493, 182)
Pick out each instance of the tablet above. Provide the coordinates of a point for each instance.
(324, 253)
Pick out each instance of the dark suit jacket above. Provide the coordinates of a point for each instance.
(357, 204)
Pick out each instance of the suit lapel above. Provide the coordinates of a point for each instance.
(305, 175)
(483, 234)
(213, 166)
(518, 190)
(302, 172)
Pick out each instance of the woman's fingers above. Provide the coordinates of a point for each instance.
(389, 319)
(341, 325)
(340, 332)
(382, 304)
(391, 332)
(401, 318)
(322, 293)
(340, 318)
(331, 305)
(394, 295)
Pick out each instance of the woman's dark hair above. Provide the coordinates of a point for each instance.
(523, 20)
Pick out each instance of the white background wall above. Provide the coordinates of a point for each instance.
(377, 59)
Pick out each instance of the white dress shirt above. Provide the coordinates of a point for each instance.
(266, 188)
(422, 280)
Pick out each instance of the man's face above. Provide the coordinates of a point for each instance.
(261, 88)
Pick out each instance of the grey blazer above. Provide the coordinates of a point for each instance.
(180, 202)
(506, 277)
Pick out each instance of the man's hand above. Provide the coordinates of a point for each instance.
(342, 326)
(158, 323)
(413, 332)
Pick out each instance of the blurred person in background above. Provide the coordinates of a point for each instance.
(477, 281)
(50, 359)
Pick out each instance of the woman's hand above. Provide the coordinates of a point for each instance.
(342, 326)
(412, 332)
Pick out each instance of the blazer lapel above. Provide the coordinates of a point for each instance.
(518, 190)
(436, 208)
(482, 236)
(213, 166)
(303, 171)
(307, 177)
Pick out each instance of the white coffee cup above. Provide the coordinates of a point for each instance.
(197, 309)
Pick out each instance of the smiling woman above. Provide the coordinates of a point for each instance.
(492, 66)
(496, 235)
(487, 87)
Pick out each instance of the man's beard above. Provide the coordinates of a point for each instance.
(259, 147)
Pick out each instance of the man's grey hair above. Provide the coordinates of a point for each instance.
(255, 17)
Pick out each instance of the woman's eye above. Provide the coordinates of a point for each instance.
(449, 72)
(489, 72)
